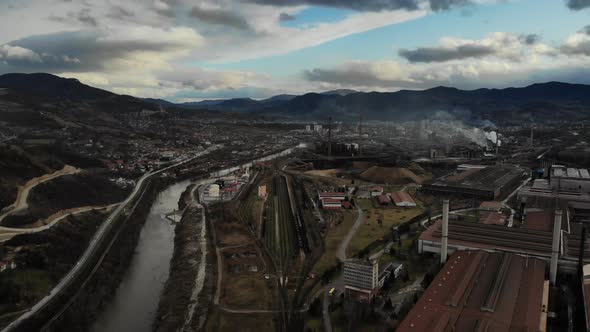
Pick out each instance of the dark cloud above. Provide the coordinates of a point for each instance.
(530, 39)
(367, 5)
(447, 4)
(284, 17)
(581, 48)
(220, 17)
(83, 16)
(353, 77)
(120, 13)
(578, 4)
(79, 51)
(586, 30)
(441, 54)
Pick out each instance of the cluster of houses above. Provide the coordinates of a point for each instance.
(334, 200)
(399, 198)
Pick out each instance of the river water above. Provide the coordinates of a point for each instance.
(134, 304)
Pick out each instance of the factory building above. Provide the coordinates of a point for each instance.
(363, 278)
(484, 183)
(333, 195)
(541, 195)
(548, 235)
(483, 291)
(586, 293)
(403, 199)
(569, 179)
(331, 204)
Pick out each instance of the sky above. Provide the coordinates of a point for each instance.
(183, 50)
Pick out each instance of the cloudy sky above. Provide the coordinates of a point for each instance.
(184, 50)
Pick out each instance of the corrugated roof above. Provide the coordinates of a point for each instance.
(479, 291)
(402, 197)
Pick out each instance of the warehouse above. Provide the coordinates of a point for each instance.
(331, 204)
(487, 183)
(570, 179)
(403, 199)
(483, 291)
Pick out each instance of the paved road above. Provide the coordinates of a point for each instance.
(512, 212)
(326, 310)
(341, 253)
(10, 232)
(93, 247)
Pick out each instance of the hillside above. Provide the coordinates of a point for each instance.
(537, 102)
(552, 101)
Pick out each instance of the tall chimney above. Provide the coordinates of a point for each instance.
(329, 136)
(555, 247)
(497, 143)
(531, 136)
(445, 233)
(360, 134)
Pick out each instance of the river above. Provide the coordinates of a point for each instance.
(134, 304)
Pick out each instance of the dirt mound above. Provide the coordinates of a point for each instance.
(391, 175)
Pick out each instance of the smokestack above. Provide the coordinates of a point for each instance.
(330, 137)
(531, 136)
(497, 143)
(445, 233)
(555, 247)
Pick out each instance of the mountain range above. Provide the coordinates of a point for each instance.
(534, 103)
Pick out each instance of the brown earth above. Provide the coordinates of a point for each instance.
(391, 175)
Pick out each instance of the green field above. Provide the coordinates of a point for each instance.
(332, 242)
(372, 231)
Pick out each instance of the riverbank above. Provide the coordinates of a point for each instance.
(185, 300)
(91, 300)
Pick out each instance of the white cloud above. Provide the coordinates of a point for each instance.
(17, 53)
(509, 59)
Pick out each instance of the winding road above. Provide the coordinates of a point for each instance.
(23, 192)
(10, 232)
(341, 255)
(93, 248)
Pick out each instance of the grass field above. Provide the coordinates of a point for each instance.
(371, 231)
(332, 242)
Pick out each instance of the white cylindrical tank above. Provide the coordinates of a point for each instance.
(214, 190)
